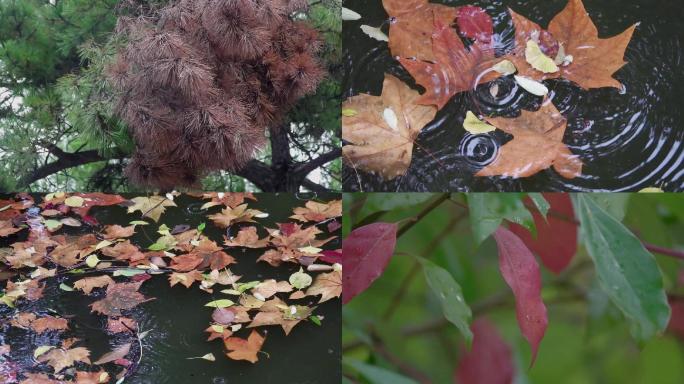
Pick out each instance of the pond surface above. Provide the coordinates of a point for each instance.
(177, 318)
(627, 140)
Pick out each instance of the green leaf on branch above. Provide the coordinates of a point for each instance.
(628, 273)
(540, 202)
(450, 297)
(488, 210)
(377, 375)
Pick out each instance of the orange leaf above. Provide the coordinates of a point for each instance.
(241, 349)
(89, 283)
(536, 145)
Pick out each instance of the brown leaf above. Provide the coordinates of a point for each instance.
(121, 296)
(60, 358)
(207, 254)
(118, 232)
(125, 251)
(411, 26)
(96, 200)
(375, 146)
(537, 145)
(230, 216)
(241, 349)
(455, 69)
(186, 279)
(49, 323)
(595, 60)
(118, 353)
(248, 238)
(315, 211)
(328, 285)
(268, 288)
(89, 283)
(152, 207)
(121, 325)
(7, 228)
(231, 200)
(73, 251)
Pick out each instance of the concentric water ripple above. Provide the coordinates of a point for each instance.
(628, 139)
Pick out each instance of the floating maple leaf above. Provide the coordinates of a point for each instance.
(71, 252)
(121, 296)
(594, 60)
(118, 232)
(411, 26)
(328, 285)
(39, 324)
(239, 214)
(230, 200)
(186, 279)
(60, 358)
(206, 254)
(152, 207)
(95, 200)
(241, 349)
(382, 129)
(314, 211)
(248, 238)
(125, 251)
(89, 283)
(455, 69)
(537, 145)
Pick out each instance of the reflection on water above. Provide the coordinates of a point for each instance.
(177, 318)
(628, 139)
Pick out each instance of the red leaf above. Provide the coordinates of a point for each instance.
(520, 270)
(475, 23)
(489, 361)
(366, 251)
(331, 257)
(676, 325)
(556, 241)
(96, 200)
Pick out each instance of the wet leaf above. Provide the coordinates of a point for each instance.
(476, 126)
(208, 357)
(628, 273)
(241, 349)
(120, 296)
(60, 358)
(223, 303)
(328, 285)
(152, 207)
(455, 68)
(121, 325)
(300, 280)
(118, 353)
(538, 60)
(489, 360)
(474, 23)
(450, 296)
(520, 270)
(411, 26)
(532, 86)
(537, 145)
(74, 201)
(374, 32)
(118, 232)
(374, 145)
(594, 60)
(6, 228)
(89, 283)
(230, 216)
(41, 350)
(248, 238)
(488, 210)
(314, 211)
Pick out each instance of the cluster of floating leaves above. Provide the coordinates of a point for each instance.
(116, 269)
(381, 130)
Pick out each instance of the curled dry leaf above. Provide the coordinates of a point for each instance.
(537, 145)
(374, 145)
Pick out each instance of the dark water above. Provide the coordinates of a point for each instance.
(627, 140)
(177, 318)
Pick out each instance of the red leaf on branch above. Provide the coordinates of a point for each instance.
(520, 270)
(676, 325)
(474, 23)
(489, 361)
(556, 241)
(366, 253)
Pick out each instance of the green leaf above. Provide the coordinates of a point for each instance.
(390, 201)
(450, 296)
(242, 287)
(139, 222)
(628, 273)
(377, 375)
(488, 210)
(316, 320)
(200, 228)
(615, 204)
(52, 225)
(542, 205)
(92, 261)
(128, 272)
(223, 303)
(65, 287)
